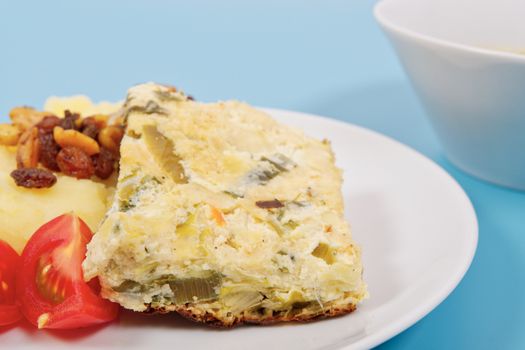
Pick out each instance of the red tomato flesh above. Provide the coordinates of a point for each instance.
(9, 264)
(51, 289)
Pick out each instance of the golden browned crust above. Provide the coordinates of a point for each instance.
(203, 316)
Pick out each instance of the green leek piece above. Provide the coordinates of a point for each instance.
(242, 300)
(128, 286)
(189, 290)
(281, 162)
(163, 152)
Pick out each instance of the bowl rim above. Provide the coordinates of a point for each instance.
(391, 26)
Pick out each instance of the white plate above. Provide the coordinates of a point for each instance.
(418, 231)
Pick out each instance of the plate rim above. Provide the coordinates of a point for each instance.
(442, 293)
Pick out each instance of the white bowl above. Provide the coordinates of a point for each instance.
(463, 58)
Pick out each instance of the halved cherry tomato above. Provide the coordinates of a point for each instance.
(51, 287)
(9, 264)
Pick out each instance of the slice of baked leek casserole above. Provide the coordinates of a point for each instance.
(225, 216)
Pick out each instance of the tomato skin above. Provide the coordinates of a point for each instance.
(9, 265)
(9, 314)
(61, 245)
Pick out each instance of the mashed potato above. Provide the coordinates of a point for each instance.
(23, 211)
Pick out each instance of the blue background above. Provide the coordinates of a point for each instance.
(324, 57)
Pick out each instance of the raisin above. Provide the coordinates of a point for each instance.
(48, 123)
(73, 161)
(69, 121)
(48, 151)
(88, 121)
(104, 163)
(90, 130)
(33, 178)
(275, 203)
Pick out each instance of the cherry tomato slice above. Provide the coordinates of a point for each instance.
(51, 289)
(9, 264)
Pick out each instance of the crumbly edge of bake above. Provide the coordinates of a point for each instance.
(197, 314)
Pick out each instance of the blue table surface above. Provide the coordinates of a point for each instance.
(323, 57)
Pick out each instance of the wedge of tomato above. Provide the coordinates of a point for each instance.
(51, 289)
(9, 264)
